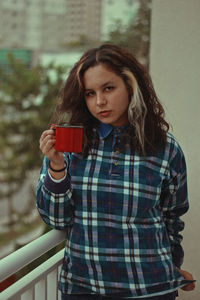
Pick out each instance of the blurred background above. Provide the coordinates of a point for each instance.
(40, 40)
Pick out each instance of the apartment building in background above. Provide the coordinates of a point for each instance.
(48, 25)
(83, 21)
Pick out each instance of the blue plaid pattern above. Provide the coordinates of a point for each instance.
(122, 214)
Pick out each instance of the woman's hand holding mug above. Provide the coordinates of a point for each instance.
(59, 139)
(47, 146)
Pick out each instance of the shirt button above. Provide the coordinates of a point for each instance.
(116, 163)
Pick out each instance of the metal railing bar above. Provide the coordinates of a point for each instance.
(23, 284)
(29, 294)
(41, 289)
(25, 255)
(52, 285)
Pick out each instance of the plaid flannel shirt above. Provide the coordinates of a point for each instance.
(121, 212)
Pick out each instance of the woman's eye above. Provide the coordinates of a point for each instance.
(89, 94)
(109, 88)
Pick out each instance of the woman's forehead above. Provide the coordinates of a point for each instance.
(99, 75)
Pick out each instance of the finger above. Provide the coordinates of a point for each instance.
(47, 145)
(189, 287)
(49, 152)
(46, 133)
(46, 137)
(186, 274)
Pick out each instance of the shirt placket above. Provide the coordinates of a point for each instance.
(116, 168)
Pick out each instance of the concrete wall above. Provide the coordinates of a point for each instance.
(175, 70)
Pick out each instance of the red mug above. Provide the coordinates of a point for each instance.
(69, 138)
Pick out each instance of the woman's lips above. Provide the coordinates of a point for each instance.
(105, 113)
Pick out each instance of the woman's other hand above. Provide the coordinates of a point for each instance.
(187, 276)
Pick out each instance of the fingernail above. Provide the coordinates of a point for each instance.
(53, 126)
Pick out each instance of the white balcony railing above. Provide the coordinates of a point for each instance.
(42, 282)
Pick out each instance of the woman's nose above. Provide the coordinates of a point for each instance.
(101, 100)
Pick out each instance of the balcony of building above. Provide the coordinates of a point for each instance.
(42, 282)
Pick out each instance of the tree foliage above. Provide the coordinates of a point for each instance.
(136, 35)
(27, 99)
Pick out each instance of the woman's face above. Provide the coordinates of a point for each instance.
(106, 95)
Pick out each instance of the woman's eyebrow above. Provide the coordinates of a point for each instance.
(102, 86)
(106, 83)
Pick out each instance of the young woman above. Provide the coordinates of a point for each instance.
(121, 199)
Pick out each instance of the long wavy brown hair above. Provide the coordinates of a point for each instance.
(147, 126)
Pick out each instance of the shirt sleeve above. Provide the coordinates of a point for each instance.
(174, 201)
(53, 199)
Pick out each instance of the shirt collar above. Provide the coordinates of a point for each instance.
(105, 129)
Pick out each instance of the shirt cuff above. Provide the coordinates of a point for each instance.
(57, 180)
(56, 186)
